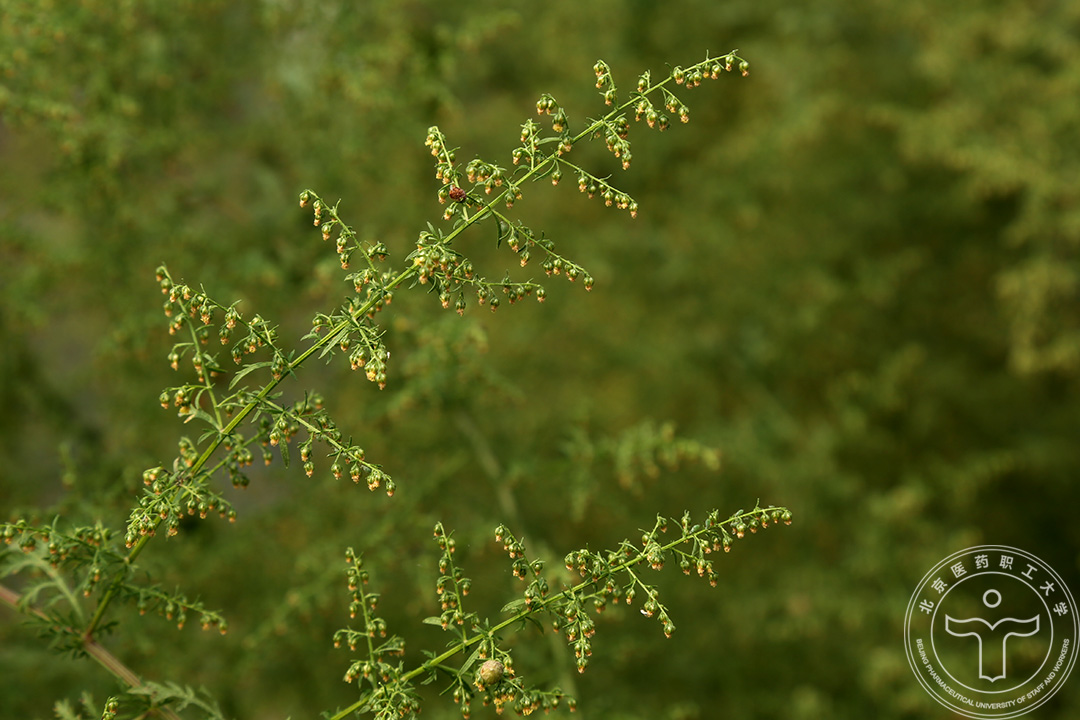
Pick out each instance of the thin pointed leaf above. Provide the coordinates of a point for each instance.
(245, 371)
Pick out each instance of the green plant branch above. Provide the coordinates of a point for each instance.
(639, 556)
(473, 211)
(260, 398)
(240, 416)
(90, 646)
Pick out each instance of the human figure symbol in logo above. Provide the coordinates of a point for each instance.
(986, 632)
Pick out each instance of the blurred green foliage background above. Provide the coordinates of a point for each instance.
(855, 272)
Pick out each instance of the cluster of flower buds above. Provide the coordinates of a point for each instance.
(709, 69)
(652, 607)
(393, 698)
(346, 244)
(79, 547)
(196, 493)
(452, 585)
(353, 336)
(463, 699)
(593, 186)
(654, 118)
(280, 430)
(655, 554)
(485, 175)
(531, 700)
(228, 325)
(604, 82)
(367, 352)
(547, 105)
(604, 573)
(524, 569)
(587, 564)
(675, 106)
(644, 108)
(308, 414)
(514, 292)
(177, 494)
(450, 273)
(373, 628)
(716, 534)
(498, 684)
(240, 457)
(438, 266)
(615, 134)
(350, 460)
(522, 241)
(575, 623)
(375, 300)
(444, 156)
(530, 144)
(176, 607)
(183, 306)
(197, 497)
(252, 341)
(182, 397)
(437, 262)
(572, 271)
(196, 304)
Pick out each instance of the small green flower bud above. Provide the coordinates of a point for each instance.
(558, 124)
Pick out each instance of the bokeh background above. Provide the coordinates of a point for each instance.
(855, 273)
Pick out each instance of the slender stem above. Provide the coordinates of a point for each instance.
(92, 648)
(64, 589)
(208, 385)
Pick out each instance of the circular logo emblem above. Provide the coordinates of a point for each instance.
(991, 632)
